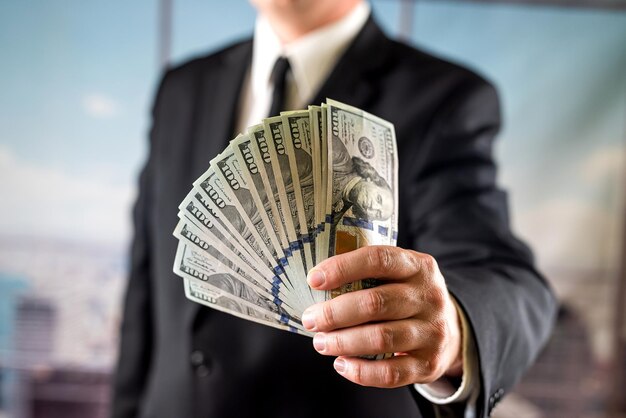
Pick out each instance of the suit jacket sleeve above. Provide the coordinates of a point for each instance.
(136, 335)
(460, 217)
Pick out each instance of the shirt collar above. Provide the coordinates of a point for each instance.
(312, 57)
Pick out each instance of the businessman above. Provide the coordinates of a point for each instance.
(460, 303)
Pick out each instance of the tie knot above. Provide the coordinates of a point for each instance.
(279, 72)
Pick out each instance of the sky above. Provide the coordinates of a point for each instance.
(79, 77)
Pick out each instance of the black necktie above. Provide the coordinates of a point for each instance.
(279, 79)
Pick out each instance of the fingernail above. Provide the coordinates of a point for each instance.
(316, 278)
(340, 365)
(308, 320)
(319, 342)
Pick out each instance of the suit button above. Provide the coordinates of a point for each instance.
(199, 362)
(196, 358)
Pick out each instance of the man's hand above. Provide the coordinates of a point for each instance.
(411, 314)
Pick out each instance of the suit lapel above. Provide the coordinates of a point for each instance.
(218, 105)
(353, 80)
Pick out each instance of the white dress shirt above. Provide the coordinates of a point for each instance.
(312, 58)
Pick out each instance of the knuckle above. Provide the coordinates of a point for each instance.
(414, 296)
(338, 343)
(390, 376)
(328, 315)
(340, 271)
(428, 372)
(439, 332)
(357, 374)
(413, 259)
(373, 303)
(437, 298)
(380, 258)
(382, 339)
(414, 333)
(432, 368)
(428, 264)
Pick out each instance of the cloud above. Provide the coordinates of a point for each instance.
(45, 201)
(100, 106)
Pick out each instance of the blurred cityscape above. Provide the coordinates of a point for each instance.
(58, 327)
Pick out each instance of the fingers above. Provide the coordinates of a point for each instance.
(391, 373)
(388, 302)
(386, 337)
(375, 261)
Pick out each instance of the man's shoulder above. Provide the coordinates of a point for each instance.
(413, 61)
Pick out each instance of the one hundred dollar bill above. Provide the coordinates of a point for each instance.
(296, 127)
(364, 192)
(318, 139)
(264, 149)
(275, 136)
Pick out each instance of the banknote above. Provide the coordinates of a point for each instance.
(298, 142)
(266, 207)
(299, 149)
(228, 173)
(363, 165)
(264, 150)
(275, 142)
(327, 181)
(317, 137)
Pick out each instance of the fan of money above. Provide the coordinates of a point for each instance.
(287, 194)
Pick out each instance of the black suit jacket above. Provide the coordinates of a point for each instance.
(178, 359)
